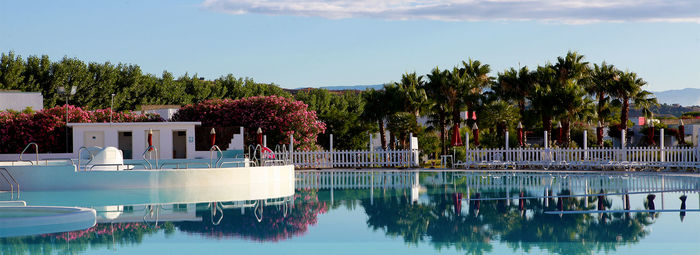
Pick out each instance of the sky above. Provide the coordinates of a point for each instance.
(312, 43)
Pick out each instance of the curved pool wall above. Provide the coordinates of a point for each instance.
(94, 198)
(67, 178)
(34, 220)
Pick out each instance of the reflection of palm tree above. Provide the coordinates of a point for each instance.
(438, 222)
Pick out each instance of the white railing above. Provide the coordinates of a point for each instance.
(687, 158)
(351, 158)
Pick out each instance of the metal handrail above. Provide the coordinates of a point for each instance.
(211, 156)
(257, 150)
(80, 151)
(245, 204)
(36, 150)
(258, 208)
(214, 212)
(4, 171)
(148, 149)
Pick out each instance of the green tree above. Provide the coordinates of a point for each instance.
(572, 73)
(515, 85)
(376, 110)
(437, 89)
(342, 115)
(11, 70)
(629, 87)
(600, 82)
(414, 96)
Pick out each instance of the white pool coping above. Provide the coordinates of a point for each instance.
(55, 219)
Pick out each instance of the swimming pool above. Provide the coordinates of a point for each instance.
(392, 212)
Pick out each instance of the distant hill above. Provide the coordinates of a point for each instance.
(355, 87)
(684, 97)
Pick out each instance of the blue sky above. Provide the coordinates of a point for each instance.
(311, 43)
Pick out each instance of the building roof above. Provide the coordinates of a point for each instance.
(107, 124)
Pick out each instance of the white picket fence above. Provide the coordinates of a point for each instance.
(687, 158)
(351, 158)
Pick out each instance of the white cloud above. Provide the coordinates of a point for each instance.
(565, 11)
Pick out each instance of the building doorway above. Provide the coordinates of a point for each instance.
(179, 144)
(126, 144)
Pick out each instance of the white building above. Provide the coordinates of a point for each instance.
(171, 139)
(18, 101)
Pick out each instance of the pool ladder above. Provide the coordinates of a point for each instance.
(10, 180)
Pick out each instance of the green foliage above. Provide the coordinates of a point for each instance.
(96, 82)
(401, 124)
(429, 144)
(342, 115)
(691, 114)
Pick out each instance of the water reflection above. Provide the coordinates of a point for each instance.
(274, 222)
(468, 212)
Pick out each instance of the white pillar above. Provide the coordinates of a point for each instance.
(507, 145)
(412, 157)
(291, 149)
(623, 138)
(264, 140)
(330, 149)
(661, 146)
(507, 138)
(291, 143)
(623, 144)
(546, 143)
(585, 144)
(466, 138)
(466, 146)
(370, 142)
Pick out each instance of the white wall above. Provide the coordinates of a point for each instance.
(19, 101)
(138, 131)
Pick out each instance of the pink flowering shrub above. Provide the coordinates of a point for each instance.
(278, 117)
(47, 127)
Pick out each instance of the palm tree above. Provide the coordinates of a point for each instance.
(574, 105)
(414, 96)
(601, 80)
(627, 87)
(542, 96)
(572, 72)
(515, 85)
(436, 89)
(376, 110)
(644, 100)
(571, 68)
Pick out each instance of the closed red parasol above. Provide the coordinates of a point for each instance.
(520, 134)
(456, 137)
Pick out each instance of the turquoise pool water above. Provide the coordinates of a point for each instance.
(396, 212)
